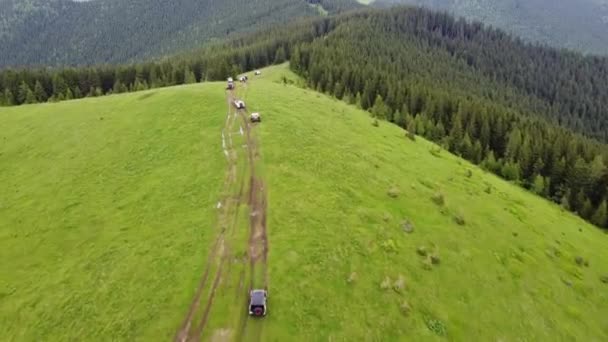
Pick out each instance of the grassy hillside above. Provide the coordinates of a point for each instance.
(108, 227)
(579, 25)
(105, 206)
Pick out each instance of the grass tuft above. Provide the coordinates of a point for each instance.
(438, 198)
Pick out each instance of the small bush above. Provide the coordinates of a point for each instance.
(436, 326)
(438, 198)
(352, 278)
(399, 284)
(389, 245)
(604, 279)
(386, 283)
(375, 123)
(393, 192)
(469, 173)
(405, 308)
(436, 152)
(459, 219)
(422, 251)
(580, 260)
(386, 217)
(426, 265)
(407, 226)
(488, 189)
(435, 259)
(410, 135)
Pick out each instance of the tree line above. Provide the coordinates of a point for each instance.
(215, 62)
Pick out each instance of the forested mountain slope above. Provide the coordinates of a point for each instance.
(64, 32)
(575, 24)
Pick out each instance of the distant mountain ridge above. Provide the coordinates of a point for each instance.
(580, 25)
(65, 32)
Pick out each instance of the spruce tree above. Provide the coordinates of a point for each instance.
(22, 95)
(600, 216)
(39, 92)
(59, 86)
(587, 209)
(189, 77)
(379, 109)
(30, 97)
(538, 186)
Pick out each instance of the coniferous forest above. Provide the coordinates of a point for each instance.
(533, 115)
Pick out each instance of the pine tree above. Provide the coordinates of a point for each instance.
(477, 153)
(59, 86)
(189, 77)
(490, 164)
(564, 203)
(456, 133)
(420, 124)
(153, 79)
(338, 90)
(379, 109)
(22, 94)
(411, 128)
(465, 147)
(279, 57)
(118, 87)
(68, 94)
(30, 97)
(587, 209)
(398, 118)
(39, 92)
(510, 171)
(358, 100)
(538, 186)
(599, 218)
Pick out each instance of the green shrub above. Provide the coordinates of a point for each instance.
(399, 284)
(393, 192)
(459, 219)
(422, 251)
(438, 198)
(386, 283)
(436, 326)
(352, 278)
(405, 308)
(407, 226)
(435, 259)
(410, 135)
(469, 173)
(436, 152)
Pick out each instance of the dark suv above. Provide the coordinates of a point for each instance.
(257, 302)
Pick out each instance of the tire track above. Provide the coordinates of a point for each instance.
(258, 245)
(220, 250)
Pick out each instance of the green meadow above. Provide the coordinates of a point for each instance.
(107, 216)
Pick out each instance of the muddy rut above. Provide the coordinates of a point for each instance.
(217, 268)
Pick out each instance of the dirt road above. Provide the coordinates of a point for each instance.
(216, 276)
